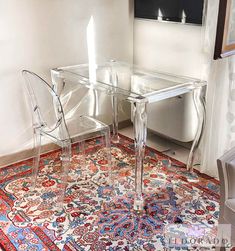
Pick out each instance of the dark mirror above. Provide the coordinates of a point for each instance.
(183, 11)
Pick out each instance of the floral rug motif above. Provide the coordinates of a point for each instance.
(98, 210)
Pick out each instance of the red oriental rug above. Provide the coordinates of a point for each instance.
(92, 217)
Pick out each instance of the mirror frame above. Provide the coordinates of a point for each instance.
(222, 47)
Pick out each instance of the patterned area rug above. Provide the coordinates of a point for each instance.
(99, 217)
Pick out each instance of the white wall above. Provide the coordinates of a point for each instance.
(177, 49)
(40, 35)
(169, 47)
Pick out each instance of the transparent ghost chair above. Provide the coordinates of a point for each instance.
(49, 121)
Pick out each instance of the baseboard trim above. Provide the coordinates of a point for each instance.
(25, 154)
(29, 153)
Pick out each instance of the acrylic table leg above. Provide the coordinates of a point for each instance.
(199, 101)
(114, 99)
(140, 133)
(115, 137)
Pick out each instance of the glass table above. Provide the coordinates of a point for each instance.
(140, 87)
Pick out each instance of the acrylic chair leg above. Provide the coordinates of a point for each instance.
(36, 159)
(109, 156)
(66, 158)
(140, 133)
(82, 157)
(198, 97)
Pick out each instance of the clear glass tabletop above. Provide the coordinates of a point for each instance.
(130, 81)
(140, 87)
